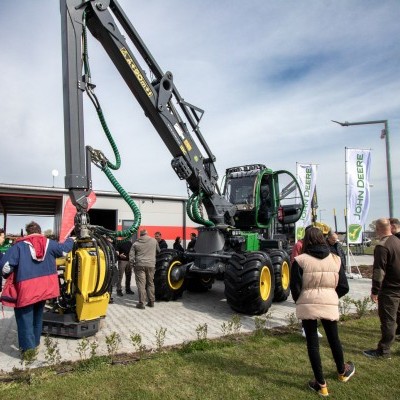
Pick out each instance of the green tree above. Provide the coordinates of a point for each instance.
(372, 225)
(48, 232)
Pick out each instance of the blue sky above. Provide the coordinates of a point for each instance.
(270, 75)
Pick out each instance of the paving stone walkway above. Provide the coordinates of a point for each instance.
(179, 318)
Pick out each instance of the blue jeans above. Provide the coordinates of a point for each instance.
(29, 324)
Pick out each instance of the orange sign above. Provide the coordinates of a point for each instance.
(68, 219)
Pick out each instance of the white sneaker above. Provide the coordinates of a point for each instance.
(303, 333)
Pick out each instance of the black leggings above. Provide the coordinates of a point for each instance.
(331, 331)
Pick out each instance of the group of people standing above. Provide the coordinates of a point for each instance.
(30, 265)
(318, 280)
(190, 247)
(140, 257)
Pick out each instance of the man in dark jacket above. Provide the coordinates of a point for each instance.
(161, 242)
(395, 229)
(123, 249)
(336, 247)
(192, 243)
(386, 286)
(33, 260)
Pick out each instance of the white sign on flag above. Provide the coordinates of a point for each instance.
(358, 164)
(307, 177)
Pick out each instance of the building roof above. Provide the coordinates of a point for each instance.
(44, 200)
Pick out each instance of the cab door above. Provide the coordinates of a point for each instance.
(289, 197)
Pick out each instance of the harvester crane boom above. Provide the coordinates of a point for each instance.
(157, 97)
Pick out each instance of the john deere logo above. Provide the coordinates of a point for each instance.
(300, 231)
(354, 232)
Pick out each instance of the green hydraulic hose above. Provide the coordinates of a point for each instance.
(135, 209)
(189, 207)
(194, 205)
(197, 214)
(105, 164)
(110, 140)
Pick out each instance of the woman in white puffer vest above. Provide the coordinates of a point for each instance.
(317, 283)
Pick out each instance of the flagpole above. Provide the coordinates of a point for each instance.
(348, 269)
(295, 224)
(335, 220)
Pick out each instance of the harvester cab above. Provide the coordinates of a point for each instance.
(255, 191)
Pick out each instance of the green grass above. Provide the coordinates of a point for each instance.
(245, 367)
(368, 251)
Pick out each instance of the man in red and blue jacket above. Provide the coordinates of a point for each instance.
(32, 259)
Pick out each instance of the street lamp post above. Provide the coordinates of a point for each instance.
(384, 135)
(320, 214)
(54, 172)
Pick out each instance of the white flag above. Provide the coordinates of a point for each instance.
(358, 173)
(307, 178)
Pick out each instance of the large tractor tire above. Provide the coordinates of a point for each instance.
(281, 262)
(198, 284)
(166, 289)
(249, 283)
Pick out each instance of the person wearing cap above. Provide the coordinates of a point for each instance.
(142, 258)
